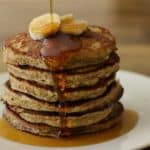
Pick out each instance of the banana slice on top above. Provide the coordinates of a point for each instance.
(43, 26)
(74, 27)
(66, 18)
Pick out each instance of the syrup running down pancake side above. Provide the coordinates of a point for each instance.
(56, 47)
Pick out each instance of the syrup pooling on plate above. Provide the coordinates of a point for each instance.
(129, 121)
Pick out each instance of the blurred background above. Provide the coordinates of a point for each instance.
(128, 20)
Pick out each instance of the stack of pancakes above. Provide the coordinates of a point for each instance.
(63, 85)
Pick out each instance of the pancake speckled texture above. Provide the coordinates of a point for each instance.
(95, 48)
(71, 93)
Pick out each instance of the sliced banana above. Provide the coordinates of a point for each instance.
(44, 25)
(67, 18)
(95, 29)
(49, 24)
(75, 27)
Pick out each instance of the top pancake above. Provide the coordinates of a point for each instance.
(60, 52)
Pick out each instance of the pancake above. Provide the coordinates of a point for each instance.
(50, 94)
(90, 48)
(56, 120)
(19, 99)
(72, 80)
(45, 130)
(64, 84)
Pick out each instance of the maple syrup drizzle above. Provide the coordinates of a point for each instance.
(55, 47)
(62, 111)
(60, 81)
(51, 6)
(129, 121)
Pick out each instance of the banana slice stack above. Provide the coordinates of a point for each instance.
(49, 24)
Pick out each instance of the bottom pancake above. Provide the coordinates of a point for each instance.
(45, 130)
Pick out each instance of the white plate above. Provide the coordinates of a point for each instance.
(136, 97)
